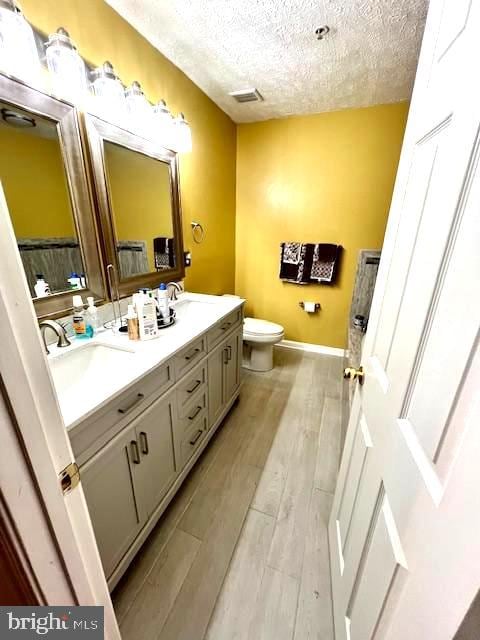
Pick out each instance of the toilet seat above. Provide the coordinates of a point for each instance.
(255, 327)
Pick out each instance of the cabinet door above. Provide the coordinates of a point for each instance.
(156, 471)
(233, 346)
(217, 360)
(109, 491)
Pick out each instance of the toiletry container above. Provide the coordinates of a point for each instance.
(163, 303)
(132, 323)
(91, 315)
(81, 326)
(41, 287)
(74, 280)
(147, 317)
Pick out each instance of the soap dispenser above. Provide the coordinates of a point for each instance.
(91, 315)
(81, 327)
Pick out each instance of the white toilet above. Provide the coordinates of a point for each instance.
(259, 336)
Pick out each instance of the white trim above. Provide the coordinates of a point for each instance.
(313, 348)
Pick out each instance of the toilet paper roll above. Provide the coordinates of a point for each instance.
(309, 307)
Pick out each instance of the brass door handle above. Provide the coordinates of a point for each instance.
(350, 373)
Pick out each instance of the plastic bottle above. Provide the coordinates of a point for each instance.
(74, 280)
(147, 316)
(91, 315)
(132, 323)
(41, 287)
(163, 303)
(81, 328)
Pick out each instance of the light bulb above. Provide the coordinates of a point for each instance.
(183, 135)
(139, 110)
(18, 51)
(69, 78)
(109, 94)
(164, 125)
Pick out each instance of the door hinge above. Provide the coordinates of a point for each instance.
(69, 477)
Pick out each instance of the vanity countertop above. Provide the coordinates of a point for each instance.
(196, 313)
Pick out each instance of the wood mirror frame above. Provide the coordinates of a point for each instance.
(66, 118)
(98, 132)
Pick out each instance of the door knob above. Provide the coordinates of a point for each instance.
(351, 373)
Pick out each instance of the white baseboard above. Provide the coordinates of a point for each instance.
(313, 348)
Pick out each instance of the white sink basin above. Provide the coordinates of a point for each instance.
(193, 310)
(81, 370)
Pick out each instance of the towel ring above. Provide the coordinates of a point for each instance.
(198, 232)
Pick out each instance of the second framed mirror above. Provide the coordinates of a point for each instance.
(139, 203)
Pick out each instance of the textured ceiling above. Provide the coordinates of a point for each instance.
(369, 57)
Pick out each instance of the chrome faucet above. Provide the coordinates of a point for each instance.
(173, 288)
(63, 341)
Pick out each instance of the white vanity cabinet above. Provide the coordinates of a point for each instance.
(136, 450)
(126, 480)
(107, 481)
(153, 455)
(224, 374)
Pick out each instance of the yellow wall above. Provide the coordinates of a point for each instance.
(31, 171)
(208, 174)
(321, 178)
(140, 194)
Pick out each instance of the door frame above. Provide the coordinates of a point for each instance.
(63, 556)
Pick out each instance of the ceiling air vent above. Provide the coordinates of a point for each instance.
(247, 95)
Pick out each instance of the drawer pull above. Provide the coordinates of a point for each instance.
(197, 383)
(196, 438)
(225, 326)
(144, 442)
(139, 398)
(195, 413)
(134, 452)
(229, 349)
(193, 353)
(225, 356)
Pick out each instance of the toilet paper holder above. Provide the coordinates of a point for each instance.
(302, 305)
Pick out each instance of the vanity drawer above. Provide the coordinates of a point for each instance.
(193, 438)
(215, 335)
(191, 411)
(189, 357)
(193, 384)
(92, 434)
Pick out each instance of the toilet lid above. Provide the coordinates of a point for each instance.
(257, 327)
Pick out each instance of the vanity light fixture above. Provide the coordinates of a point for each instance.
(164, 124)
(183, 135)
(109, 95)
(139, 110)
(67, 69)
(18, 51)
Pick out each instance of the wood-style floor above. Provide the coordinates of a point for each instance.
(242, 550)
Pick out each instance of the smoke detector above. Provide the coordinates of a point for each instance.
(247, 95)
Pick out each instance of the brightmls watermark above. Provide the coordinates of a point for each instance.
(51, 622)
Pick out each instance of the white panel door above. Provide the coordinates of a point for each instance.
(406, 444)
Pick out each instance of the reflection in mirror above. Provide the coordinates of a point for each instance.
(140, 198)
(33, 177)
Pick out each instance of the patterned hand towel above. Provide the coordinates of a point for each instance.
(307, 263)
(325, 262)
(163, 249)
(294, 260)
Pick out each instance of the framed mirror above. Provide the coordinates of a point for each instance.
(43, 174)
(139, 203)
